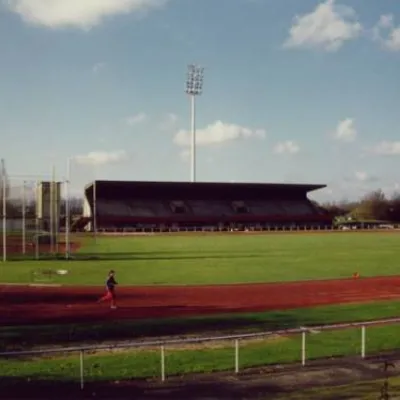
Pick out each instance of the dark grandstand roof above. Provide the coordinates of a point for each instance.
(203, 189)
(207, 185)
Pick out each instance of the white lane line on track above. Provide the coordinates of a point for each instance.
(44, 285)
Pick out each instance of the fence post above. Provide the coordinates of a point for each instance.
(162, 363)
(363, 341)
(303, 348)
(81, 370)
(236, 356)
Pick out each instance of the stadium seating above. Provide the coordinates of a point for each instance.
(265, 207)
(148, 208)
(178, 207)
(113, 208)
(179, 204)
(297, 207)
(211, 207)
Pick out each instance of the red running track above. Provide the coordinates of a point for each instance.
(50, 305)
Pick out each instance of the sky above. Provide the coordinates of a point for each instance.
(294, 91)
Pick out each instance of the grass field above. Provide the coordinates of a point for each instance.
(208, 260)
(222, 259)
(216, 356)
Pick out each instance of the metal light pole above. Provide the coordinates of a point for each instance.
(194, 87)
(4, 211)
(94, 188)
(24, 218)
(53, 200)
(67, 209)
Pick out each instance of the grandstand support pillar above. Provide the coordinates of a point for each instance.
(193, 128)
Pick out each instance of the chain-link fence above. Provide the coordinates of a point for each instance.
(32, 216)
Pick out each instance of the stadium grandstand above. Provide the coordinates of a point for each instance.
(122, 205)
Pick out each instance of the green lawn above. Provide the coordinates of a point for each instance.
(218, 259)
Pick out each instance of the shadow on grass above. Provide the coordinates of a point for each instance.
(139, 256)
(25, 337)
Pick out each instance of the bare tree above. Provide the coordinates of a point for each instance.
(373, 206)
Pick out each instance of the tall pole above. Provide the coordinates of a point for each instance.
(193, 127)
(52, 212)
(95, 210)
(194, 87)
(4, 196)
(24, 218)
(67, 211)
(56, 208)
(37, 243)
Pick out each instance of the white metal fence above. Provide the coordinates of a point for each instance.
(235, 339)
(270, 228)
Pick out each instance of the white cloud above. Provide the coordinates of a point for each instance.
(83, 14)
(217, 133)
(185, 155)
(98, 67)
(387, 148)
(362, 176)
(98, 158)
(136, 119)
(392, 40)
(169, 122)
(346, 130)
(328, 27)
(172, 118)
(287, 147)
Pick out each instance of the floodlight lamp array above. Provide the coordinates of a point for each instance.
(194, 80)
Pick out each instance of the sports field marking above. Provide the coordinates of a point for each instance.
(43, 285)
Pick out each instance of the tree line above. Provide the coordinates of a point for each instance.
(374, 206)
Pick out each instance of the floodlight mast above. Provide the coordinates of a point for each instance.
(194, 87)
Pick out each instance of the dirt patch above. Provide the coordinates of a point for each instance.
(50, 305)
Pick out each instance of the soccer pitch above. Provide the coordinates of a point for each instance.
(207, 259)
